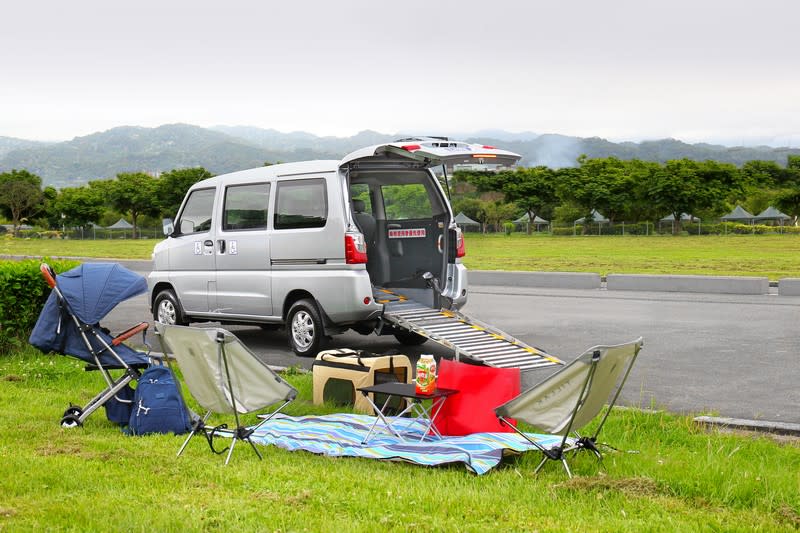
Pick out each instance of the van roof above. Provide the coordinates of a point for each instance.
(271, 171)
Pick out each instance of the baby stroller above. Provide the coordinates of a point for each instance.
(69, 324)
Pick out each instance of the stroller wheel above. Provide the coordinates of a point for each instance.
(73, 410)
(71, 421)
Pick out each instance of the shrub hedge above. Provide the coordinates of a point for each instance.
(23, 292)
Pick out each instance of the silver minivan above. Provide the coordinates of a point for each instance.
(316, 245)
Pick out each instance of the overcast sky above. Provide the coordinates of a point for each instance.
(720, 70)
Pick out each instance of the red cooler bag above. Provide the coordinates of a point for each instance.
(480, 390)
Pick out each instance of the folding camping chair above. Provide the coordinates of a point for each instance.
(568, 400)
(224, 377)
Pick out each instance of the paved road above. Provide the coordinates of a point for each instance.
(728, 355)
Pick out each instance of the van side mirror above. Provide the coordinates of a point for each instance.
(167, 226)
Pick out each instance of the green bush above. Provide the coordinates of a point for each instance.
(23, 292)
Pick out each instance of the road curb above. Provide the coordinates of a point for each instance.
(675, 283)
(763, 426)
(560, 280)
(789, 286)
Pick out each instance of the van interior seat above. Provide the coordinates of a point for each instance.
(377, 258)
(366, 222)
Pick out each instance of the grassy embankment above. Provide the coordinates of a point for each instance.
(774, 256)
(680, 478)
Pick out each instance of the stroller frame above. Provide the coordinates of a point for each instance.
(74, 415)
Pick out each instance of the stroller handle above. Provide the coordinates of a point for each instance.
(128, 333)
(49, 275)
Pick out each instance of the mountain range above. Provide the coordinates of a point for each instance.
(223, 149)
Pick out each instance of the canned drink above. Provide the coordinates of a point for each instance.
(426, 374)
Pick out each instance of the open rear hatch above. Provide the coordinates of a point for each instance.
(404, 237)
(427, 152)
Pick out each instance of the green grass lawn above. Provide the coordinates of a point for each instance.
(774, 256)
(669, 475)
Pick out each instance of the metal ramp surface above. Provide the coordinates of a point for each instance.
(466, 336)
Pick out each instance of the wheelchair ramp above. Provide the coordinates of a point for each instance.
(466, 336)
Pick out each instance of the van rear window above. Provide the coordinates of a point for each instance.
(301, 204)
(405, 202)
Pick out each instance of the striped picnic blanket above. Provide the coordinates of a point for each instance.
(340, 435)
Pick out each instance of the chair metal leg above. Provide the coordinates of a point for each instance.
(198, 426)
(230, 451)
(566, 467)
(541, 464)
(252, 445)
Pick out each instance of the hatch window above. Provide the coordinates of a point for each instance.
(407, 201)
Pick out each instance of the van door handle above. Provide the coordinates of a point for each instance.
(208, 243)
(221, 244)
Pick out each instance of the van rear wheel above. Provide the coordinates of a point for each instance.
(304, 326)
(409, 338)
(167, 309)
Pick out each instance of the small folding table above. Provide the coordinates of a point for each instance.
(422, 414)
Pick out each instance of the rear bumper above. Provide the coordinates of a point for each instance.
(457, 282)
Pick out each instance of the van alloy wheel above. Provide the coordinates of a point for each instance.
(167, 310)
(305, 328)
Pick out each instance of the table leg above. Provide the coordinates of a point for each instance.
(379, 416)
(428, 416)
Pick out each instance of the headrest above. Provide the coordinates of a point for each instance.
(359, 206)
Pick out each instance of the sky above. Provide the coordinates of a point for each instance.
(722, 71)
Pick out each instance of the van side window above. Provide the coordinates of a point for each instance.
(246, 207)
(196, 214)
(301, 204)
(404, 202)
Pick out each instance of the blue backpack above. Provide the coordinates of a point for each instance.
(158, 405)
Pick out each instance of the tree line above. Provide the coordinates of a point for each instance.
(133, 194)
(627, 190)
(622, 190)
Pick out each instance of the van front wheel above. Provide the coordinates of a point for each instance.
(167, 310)
(305, 328)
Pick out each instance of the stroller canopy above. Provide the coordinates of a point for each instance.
(91, 291)
(94, 289)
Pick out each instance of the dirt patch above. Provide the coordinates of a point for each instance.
(12, 377)
(789, 516)
(6, 512)
(642, 487)
(294, 499)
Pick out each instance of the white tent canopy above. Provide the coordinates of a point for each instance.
(597, 218)
(463, 220)
(772, 213)
(524, 219)
(684, 218)
(739, 214)
(121, 224)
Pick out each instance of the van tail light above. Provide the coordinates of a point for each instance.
(461, 247)
(355, 248)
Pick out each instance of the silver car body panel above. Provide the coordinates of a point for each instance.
(251, 275)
